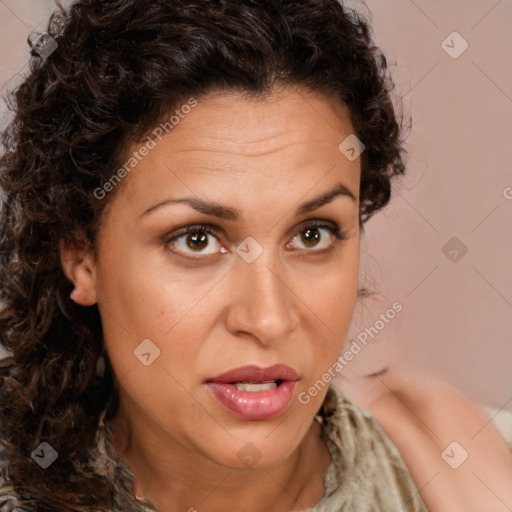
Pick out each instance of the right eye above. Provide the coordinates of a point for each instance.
(194, 240)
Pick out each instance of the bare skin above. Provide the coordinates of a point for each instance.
(291, 305)
(209, 311)
(424, 417)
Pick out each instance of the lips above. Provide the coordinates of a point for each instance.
(246, 392)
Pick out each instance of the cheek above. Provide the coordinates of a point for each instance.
(330, 297)
(330, 291)
(133, 300)
(139, 303)
(145, 293)
(332, 308)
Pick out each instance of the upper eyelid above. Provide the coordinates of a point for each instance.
(205, 225)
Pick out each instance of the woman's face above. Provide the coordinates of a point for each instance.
(253, 283)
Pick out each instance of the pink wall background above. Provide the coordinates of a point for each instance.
(457, 316)
(456, 320)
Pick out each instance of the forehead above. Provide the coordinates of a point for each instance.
(252, 126)
(287, 139)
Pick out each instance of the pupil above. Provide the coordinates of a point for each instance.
(311, 236)
(197, 240)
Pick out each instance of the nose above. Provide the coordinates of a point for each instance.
(263, 304)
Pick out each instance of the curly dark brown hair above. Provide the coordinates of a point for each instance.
(120, 67)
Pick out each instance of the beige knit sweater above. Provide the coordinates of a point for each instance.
(366, 473)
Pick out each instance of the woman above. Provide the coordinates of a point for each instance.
(185, 187)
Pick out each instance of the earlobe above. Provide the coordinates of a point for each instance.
(82, 296)
(78, 266)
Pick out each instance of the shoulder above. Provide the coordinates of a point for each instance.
(452, 448)
(368, 472)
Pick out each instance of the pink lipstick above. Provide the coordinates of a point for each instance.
(255, 393)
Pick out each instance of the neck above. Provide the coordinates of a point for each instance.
(177, 478)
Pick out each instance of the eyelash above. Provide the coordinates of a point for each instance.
(207, 228)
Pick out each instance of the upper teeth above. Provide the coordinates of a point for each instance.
(253, 386)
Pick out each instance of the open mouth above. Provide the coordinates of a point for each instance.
(252, 400)
(255, 393)
(254, 387)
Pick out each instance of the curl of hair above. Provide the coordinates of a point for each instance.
(120, 67)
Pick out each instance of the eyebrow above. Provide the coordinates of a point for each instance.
(226, 213)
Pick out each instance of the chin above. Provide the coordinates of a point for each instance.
(259, 454)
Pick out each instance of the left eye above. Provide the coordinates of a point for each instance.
(311, 237)
(196, 239)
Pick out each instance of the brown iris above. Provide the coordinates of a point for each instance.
(311, 236)
(197, 240)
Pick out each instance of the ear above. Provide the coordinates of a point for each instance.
(79, 267)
